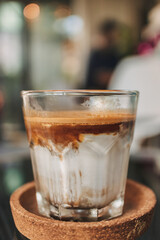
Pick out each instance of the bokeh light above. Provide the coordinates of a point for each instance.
(73, 25)
(10, 17)
(31, 11)
(69, 26)
(62, 11)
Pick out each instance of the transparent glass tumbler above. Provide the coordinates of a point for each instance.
(79, 143)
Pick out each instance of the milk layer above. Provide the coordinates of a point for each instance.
(91, 176)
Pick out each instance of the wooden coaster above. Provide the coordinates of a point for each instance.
(138, 211)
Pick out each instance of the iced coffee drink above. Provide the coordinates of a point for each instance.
(80, 159)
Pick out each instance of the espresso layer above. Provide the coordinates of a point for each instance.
(63, 128)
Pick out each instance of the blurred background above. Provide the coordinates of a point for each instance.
(77, 44)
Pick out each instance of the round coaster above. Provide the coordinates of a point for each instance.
(138, 211)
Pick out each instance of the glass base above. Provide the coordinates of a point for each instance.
(114, 209)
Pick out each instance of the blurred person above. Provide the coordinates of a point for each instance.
(142, 73)
(104, 56)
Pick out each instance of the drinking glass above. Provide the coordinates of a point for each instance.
(79, 143)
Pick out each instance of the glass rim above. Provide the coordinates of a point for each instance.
(80, 92)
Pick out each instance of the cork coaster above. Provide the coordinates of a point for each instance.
(138, 211)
